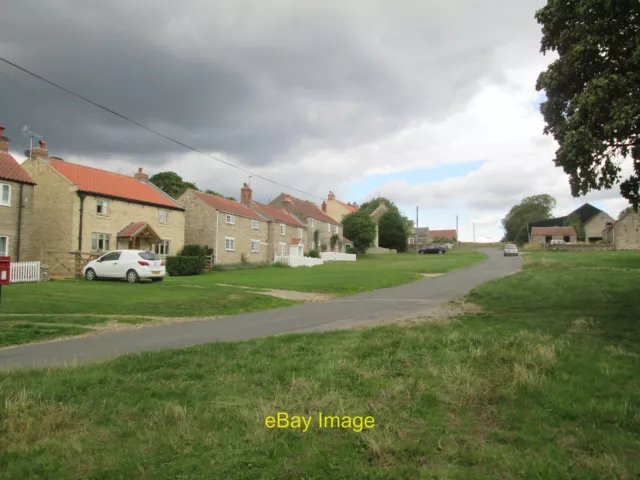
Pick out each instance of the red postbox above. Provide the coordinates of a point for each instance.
(5, 270)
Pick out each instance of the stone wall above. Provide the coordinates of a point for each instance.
(579, 247)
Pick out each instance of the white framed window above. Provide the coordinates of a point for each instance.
(229, 244)
(100, 242)
(4, 246)
(230, 219)
(329, 227)
(102, 206)
(412, 240)
(335, 229)
(282, 229)
(255, 224)
(162, 248)
(163, 217)
(311, 222)
(5, 198)
(299, 233)
(255, 246)
(283, 249)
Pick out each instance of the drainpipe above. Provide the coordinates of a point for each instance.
(81, 217)
(19, 223)
(217, 252)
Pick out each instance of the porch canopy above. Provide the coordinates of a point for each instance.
(139, 236)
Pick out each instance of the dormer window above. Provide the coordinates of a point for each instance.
(102, 206)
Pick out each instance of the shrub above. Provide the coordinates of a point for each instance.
(323, 247)
(313, 254)
(194, 250)
(181, 265)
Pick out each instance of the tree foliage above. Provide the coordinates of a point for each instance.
(393, 233)
(575, 221)
(593, 91)
(173, 185)
(360, 228)
(530, 209)
(407, 224)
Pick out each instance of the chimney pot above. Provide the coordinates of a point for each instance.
(324, 206)
(286, 203)
(246, 194)
(4, 141)
(40, 151)
(332, 196)
(140, 175)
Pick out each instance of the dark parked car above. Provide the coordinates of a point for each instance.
(440, 249)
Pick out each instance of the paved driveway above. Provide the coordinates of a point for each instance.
(404, 301)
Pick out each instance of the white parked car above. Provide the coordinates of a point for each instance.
(558, 242)
(510, 249)
(130, 264)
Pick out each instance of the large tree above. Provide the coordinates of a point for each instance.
(530, 209)
(171, 183)
(371, 205)
(593, 91)
(360, 228)
(393, 233)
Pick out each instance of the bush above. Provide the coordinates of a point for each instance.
(194, 250)
(313, 254)
(181, 266)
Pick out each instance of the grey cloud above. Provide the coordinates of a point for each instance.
(261, 81)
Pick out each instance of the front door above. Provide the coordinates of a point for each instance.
(347, 248)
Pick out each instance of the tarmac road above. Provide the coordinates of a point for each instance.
(405, 301)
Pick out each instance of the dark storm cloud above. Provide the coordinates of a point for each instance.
(260, 81)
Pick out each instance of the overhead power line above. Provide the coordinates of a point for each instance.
(149, 129)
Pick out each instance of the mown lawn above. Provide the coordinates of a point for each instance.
(543, 384)
(343, 278)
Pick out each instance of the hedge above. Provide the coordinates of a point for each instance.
(181, 266)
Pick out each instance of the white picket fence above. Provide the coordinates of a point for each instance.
(337, 257)
(25, 272)
(294, 261)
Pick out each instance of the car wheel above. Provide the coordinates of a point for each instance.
(90, 274)
(132, 276)
(157, 279)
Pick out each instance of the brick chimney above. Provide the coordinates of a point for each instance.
(4, 141)
(324, 206)
(140, 175)
(286, 203)
(246, 194)
(40, 151)
(332, 196)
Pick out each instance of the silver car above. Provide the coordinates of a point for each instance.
(510, 249)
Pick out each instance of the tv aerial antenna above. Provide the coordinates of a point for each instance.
(26, 131)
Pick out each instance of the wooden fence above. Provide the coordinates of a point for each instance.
(25, 272)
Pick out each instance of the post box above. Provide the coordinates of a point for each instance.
(5, 270)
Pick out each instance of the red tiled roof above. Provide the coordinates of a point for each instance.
(442, 233)
(10, 169)
(227, 206)
(310, 210)
(346, 240)
(296, 241)
(568, 231)
(134, 228)
(276, 214)
(348, 207)
(101, 182)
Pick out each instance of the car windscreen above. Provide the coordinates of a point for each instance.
(148, 256)
(511, 245)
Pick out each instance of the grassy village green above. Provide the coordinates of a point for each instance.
(542, 384)
(199, 296)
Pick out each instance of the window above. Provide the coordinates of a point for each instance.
(567, 238)
(162, 248)
(255, 246)
(299, 233)
(148, 256)
(335, 229)
(163, 217)
(230, 219)
(283, 249)
(110, 257)
(6, 195)
(100, 241)
(255, 224)
(102, 207)
(412, 241)
(4, 246)
(229, 244)
(329, 227)
(282, 228)
(311, 222)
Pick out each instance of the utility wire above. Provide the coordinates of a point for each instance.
(166, 137)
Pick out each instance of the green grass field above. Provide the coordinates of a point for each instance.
(343, 278)
(199, 296)
(543, 384)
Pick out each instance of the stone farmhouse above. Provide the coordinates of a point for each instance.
(593, 220)
(624, 234)
(16, 205)
(89, 211)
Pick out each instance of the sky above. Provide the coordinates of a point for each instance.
(431, 104)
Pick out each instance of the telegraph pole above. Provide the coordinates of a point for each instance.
(474, 232)
(417, 229)
(457, 235)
